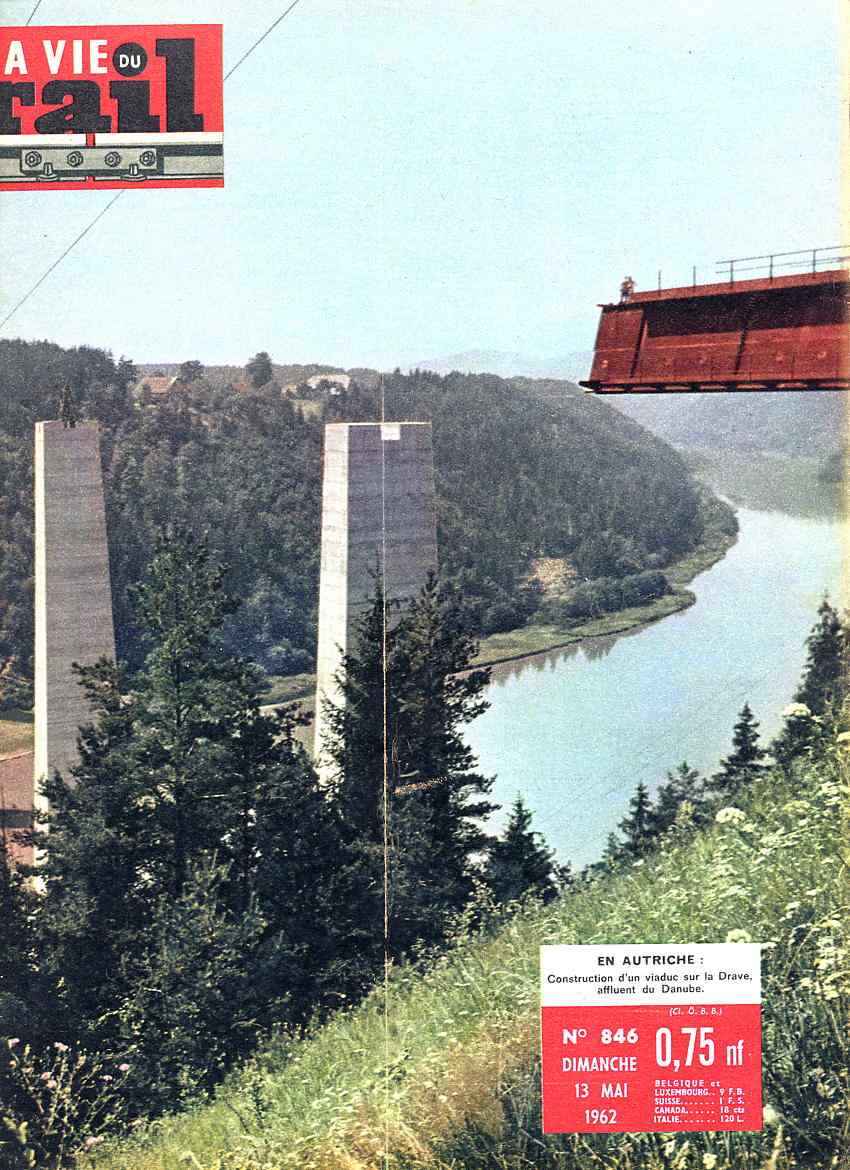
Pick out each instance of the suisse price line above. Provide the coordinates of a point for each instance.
(656, 1039)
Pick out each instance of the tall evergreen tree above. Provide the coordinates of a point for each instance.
(612, 854)
(519, 862)
(96, 854)
(360, 725)
(437, 819)
(259, 369)
(824, 681)
(822, 690)
(683, 784)
(744, 763)
(637, 826)
(193, 1003)
(289, 854)
(407, 691)
(183, 772)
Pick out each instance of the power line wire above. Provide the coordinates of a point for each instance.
(59, 259)
(115, 199)
(260, 40)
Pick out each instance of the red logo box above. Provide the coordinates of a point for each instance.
(106, 106)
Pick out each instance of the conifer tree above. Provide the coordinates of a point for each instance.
(406, 693)
(291, 856)
(683, 784)
(437, 820)
(96, 853)
(744, 763)
(637, 826)
(824, 680)
(822, 690)
(180, 772)
(359, 726)
(193, 1004)
(519, 862)
(611, 854)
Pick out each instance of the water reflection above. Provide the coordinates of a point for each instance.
(590, 649)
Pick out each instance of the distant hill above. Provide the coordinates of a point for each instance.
(788, 423)
(486, 361)
(221, 375)
(569, 366)
(793, 423)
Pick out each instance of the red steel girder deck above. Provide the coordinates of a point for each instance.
(770, 334)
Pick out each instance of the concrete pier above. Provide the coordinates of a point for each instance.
(73, 600)
(378, 519)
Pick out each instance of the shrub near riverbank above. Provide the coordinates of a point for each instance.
(457, 1084)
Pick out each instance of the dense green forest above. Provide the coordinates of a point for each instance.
(524, 469)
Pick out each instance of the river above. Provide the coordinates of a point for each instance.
(574, 730)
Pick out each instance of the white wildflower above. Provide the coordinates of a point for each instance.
(769, 1116)
(730, 816)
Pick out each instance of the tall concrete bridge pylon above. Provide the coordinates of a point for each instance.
(73, 598)
(378, 518)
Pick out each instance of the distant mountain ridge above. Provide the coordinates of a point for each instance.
(788, 422)
(569, 366)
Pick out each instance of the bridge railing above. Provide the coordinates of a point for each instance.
(803, 260)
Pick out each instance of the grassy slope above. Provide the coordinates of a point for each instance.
(453, 1084)
(15, 732)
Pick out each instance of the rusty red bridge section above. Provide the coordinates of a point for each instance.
(777, 332)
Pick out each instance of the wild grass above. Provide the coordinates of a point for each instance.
(16, 732)
(448, 1079)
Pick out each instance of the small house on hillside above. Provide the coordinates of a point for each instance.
(317, 386)
(151, 386)
(337, 382)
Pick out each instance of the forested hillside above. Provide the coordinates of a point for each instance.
(524, 469)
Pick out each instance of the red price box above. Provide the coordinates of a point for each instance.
(651, 1039)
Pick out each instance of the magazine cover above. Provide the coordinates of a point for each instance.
(423, 646)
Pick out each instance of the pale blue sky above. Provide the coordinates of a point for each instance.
(445, 175)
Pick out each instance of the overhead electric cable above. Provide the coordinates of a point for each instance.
(260, 40)
(61, 257)
(115, 198)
